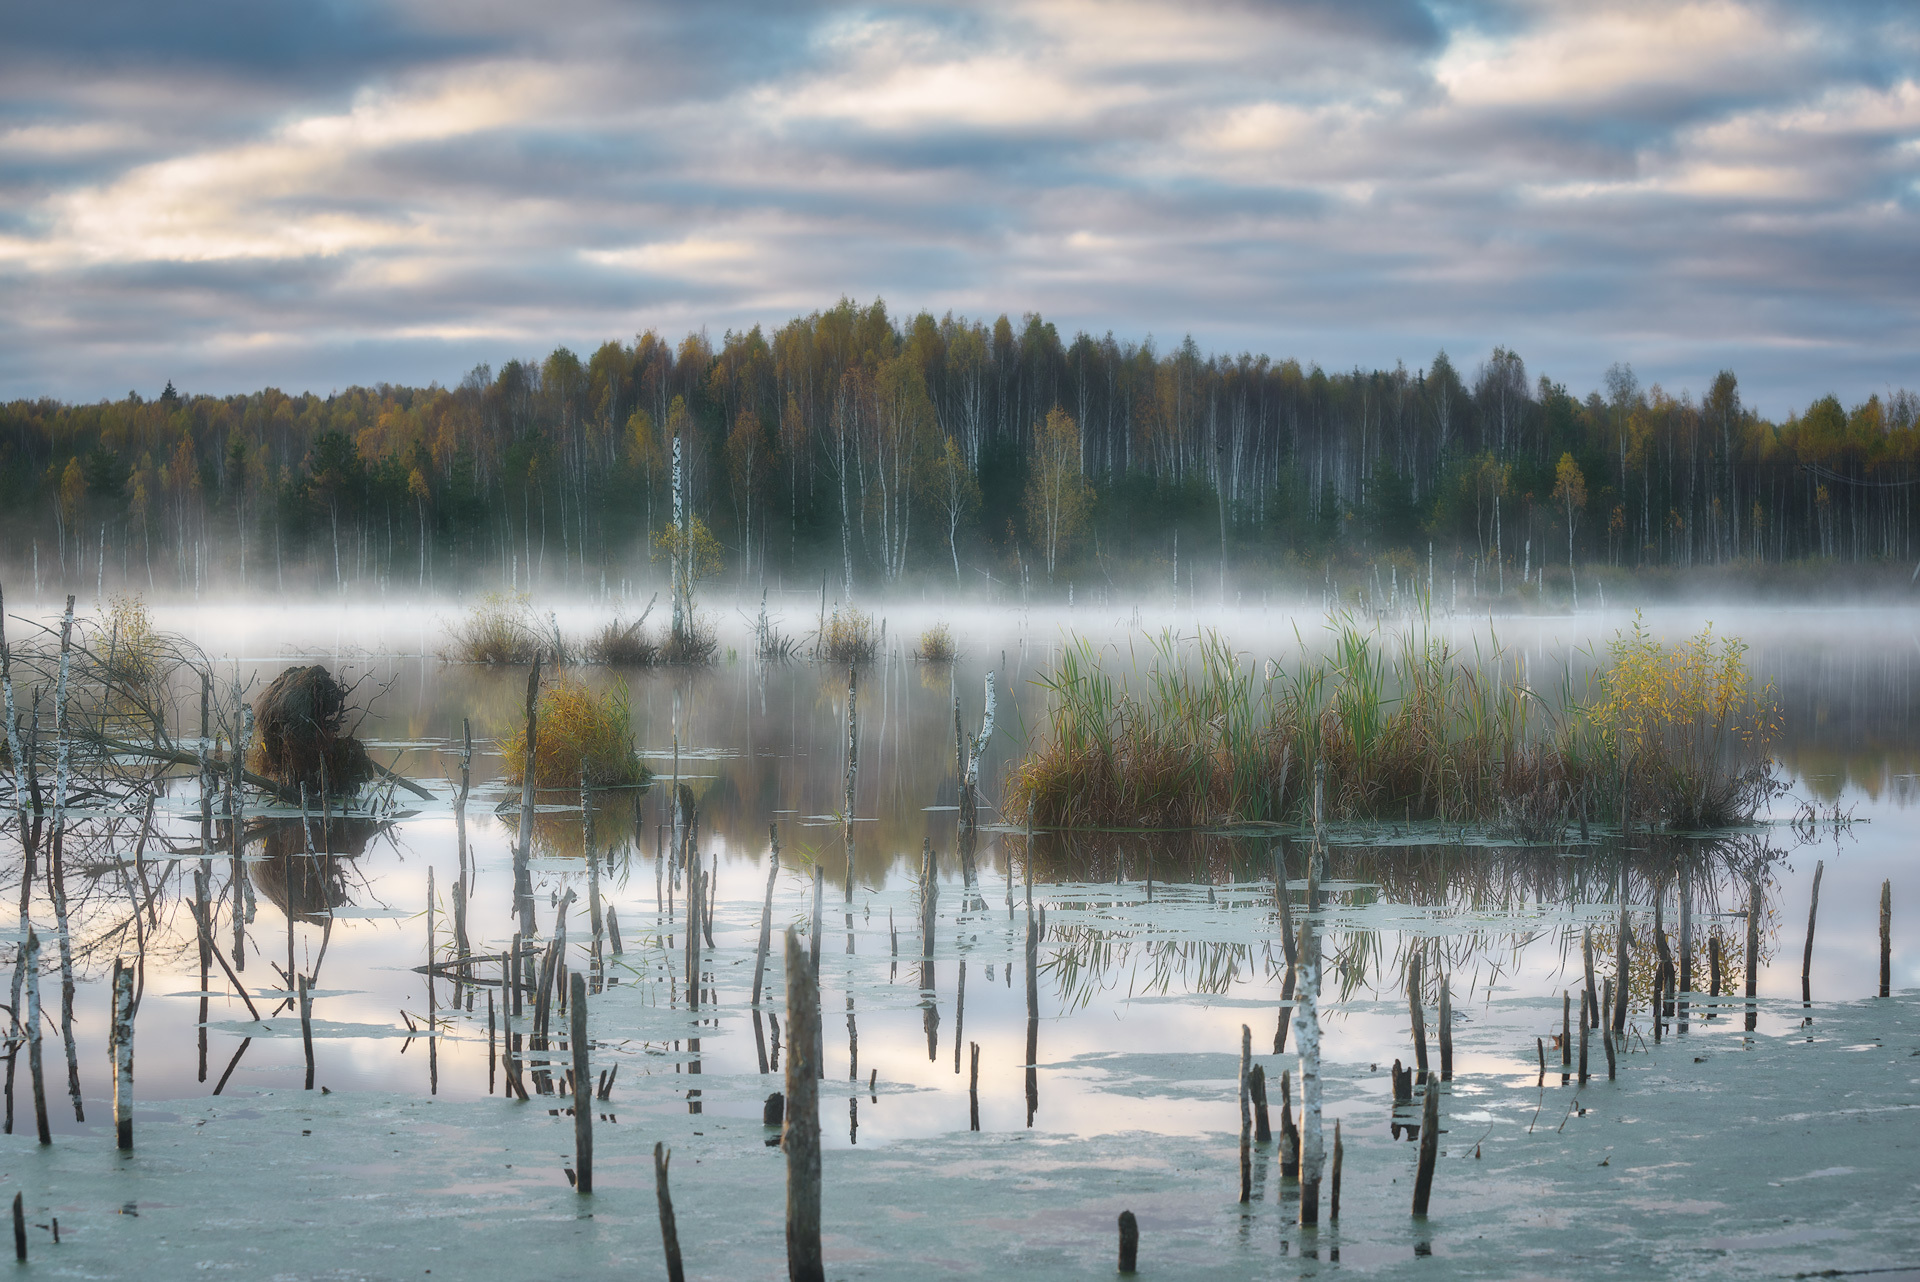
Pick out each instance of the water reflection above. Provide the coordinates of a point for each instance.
(1115, 918)
(295, 877)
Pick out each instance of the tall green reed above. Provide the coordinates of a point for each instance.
(1409, 726)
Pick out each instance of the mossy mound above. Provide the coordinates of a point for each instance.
(301, 734)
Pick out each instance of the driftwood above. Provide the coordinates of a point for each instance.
(290, 794)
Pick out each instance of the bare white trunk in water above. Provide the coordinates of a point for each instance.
(1306, 1040)
(986, 733)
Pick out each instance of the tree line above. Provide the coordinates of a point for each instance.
(881, 451)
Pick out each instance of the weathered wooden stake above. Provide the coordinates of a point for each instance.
(973, 1086)
(1289, 1133)
(766, 913)
(1129, 1239)
(305, 990)
(1886, 938)
(1620, 960)
(1246, 1114)
(1286, 1001)
(929, 897)
(1813, 911)
(1419, 1016)
(34, 1064)
(1586, 1021)
(582, 1088)
(1586, 956)
(1262, 1123)
(802, 1136)
(669, 1232)
(1566, 1034)
(1429, 1147)
(1446, 1031)
(19, 1228)
(1339, 1159)
(1667, 972)
(1606, 1031)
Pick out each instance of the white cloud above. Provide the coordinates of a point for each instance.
(289, 194)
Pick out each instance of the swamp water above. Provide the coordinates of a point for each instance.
(1787, 1150)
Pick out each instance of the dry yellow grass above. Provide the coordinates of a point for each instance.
(581, 734)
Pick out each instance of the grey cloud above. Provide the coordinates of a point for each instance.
(246, 39)
(1419, 223)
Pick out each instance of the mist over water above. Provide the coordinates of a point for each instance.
(1158, 946)
(762, 744)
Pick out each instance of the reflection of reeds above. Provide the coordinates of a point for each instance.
(1407, 727)
(1468, 907)
(1086, 959)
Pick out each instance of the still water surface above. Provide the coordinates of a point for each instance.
(1156, 943)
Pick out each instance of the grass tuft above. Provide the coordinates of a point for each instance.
(936, 645)
(848, 637)
(581, 734)
(695, 644)
(622, 645)
(500, 628)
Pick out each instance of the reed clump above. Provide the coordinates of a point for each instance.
(500, 628)
(775, 646)
(581, 735)
(622, 645)
(694, 644)
(136, 652)
(937, 645)
(1407, 726)
(1695, 733)
(848, 636)
(770, 644)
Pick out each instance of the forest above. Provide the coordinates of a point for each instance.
(884, 453)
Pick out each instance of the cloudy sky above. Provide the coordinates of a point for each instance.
(314, 193)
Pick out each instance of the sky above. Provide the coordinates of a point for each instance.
(311, 194)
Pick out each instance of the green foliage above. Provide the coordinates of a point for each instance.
(552, 474)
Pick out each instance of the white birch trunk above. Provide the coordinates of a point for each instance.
(1306, 1033)
(122, 1042)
